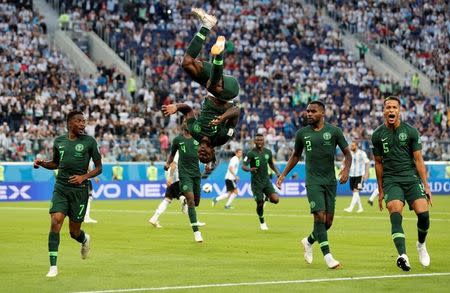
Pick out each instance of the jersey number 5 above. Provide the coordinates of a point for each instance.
(385, 147)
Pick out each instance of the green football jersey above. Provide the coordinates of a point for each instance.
(188, 163)
(201, 126)
(396, 148)
(260, 160)
(320, 150)
(73, 157)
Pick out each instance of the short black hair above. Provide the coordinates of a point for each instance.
(72, 114)
(259, 134)
(392, 98)
(319, 103)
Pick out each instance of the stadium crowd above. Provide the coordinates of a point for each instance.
(417, 30)
(281, 63)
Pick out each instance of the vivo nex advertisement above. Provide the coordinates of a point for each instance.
(23, 183)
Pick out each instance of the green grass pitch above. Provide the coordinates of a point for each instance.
(128, 253)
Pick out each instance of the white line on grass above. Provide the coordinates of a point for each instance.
(227, 214)
(269, 283)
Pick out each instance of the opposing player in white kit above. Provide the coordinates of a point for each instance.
(359, 172)
(231, 179)
(172, 191)
(87, 216)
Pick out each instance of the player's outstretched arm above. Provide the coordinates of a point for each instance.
(184, 109)
(379, 173)
(50, 165)
(343, 175)
(231, 117)
(293, 160)
(422, 170)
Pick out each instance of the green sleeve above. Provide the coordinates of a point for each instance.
(95, 153)
(174, 146)
(56, 156)
(415, 141)
(341, 142)
(376, 145)
(298, 143)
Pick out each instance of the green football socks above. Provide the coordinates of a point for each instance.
(423, 223)
(260, 212)
(193, 218)
(320, 234)
(398, 236)
(53, 244)
(217, 69)
(197, 42)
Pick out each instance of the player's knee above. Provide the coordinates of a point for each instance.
(188, 62)
(423, 220)
(274, 199)
(260, 203)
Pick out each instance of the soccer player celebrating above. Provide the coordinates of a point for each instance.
(231, 179)
(257, 161)
(71, 155)
(360, 168)
(402, 176)
(319, 140)
(189, 174)
(218, 117)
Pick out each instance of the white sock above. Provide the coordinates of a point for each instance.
(222, 196)
(374, 194)
(161, 209)
(230, 199)
(88, 208)
(354, 200)
(358, 200)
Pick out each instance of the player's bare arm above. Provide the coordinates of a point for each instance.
(274, 168)
(79, 179)
(50, 165)
(343, 175)
(379, 173)
(231, 117)
(422, 170)
(293, 160)
(184, 109)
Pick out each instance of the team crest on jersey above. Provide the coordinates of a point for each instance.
(402, 136)
(327, 136)
(266, 156)
(79, 147)
(197, 127)
(195, 142)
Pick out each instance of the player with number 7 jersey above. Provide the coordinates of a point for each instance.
(71, 155)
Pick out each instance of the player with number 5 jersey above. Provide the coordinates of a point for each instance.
(71, 155)
(402, 177)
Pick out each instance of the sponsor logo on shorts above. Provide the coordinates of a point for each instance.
(185, 187)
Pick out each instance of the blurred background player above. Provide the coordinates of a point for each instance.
(152, 171)
(117, 171)
(71, 155)
(256, 162)
(231, 179)
(359, 172)
(319, 140)
(402, 176)
(373, 196)
(189, 174)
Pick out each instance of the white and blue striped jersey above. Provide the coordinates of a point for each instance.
(359, 160)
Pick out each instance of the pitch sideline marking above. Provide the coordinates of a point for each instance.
(269, 283)
(226, 214)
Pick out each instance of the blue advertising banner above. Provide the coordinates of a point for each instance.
(122, 190)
